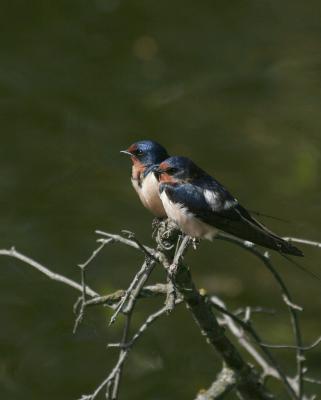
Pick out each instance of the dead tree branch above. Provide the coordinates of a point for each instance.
(249, 385)
(46, 271)
(224, 383)
(292, 307)
(237, 374)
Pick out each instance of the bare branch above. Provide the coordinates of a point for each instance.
(114, 298)
(249, 385)
(287, 346)
(144, 249)
(143, 327)
(113, 389)
(124, 354)
(225, 382)
(127, 242)
(292, 307)
(303, 241)
(134, 289)
(95, 253)
(81, 302)
(312, 380)
(237, 373)
(273, 369)
(248, 311)
(46, 271)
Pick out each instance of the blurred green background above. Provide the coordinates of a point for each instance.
(234, 85)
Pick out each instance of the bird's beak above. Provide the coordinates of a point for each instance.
(126, 152)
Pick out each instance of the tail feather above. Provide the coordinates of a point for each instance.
(259, 214)
(301, 267)
(261, 235)
(267, 239)
(287, 248)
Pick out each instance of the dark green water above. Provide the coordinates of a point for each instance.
(234, 85)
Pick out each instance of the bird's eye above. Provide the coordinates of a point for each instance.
(171, 171)
(138, 152)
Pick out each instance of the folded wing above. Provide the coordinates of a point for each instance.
(210, 202)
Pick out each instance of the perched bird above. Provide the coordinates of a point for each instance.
(145, 154)
(201, 206)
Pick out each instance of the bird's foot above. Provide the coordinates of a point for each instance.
(155, 225)
(161, 233)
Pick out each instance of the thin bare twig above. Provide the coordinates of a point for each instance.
(302, 241)
(287, 346)
(144, 249)
(171, 295)
(114, 298)
(312, 380)
(134, 289)
(95, 253)
(113, 394)
(82, 300)
(127, 242)
(124, 354)
(273, 369)
(245, 379)
(250, 386)
(248, 311)
(293, 308)
(144, 326)
(140, 278)
(46, 271)
(224, 383)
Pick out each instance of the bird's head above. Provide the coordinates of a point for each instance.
(146, 153)
(177, 169)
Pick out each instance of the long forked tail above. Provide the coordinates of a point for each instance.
(301, 267)
(273, 241)
(286, 247)
(261, 235)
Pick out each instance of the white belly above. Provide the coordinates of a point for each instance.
(186, 220)
(149, 194)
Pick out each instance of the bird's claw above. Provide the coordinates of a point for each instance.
(155, 225)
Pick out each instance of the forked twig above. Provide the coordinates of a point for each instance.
(125, 349)
(81, 302)
(270, 368)
(46, 271)
(245, 380)
(293, 308)
(134, 289)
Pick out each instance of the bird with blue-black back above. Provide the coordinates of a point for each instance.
(175, 187)
(201, 206)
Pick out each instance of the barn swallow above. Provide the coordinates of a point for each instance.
(202, 207)
(145, 154)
